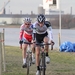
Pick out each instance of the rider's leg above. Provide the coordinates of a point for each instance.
(33, 49)
(37, 57)
(46, 40)
(33, 53)
(24, 47)
(33, 45)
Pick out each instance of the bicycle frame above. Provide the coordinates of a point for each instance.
(42, 61)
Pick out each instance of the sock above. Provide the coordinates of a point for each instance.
(47, 54)
(38, 68)
(24, 60)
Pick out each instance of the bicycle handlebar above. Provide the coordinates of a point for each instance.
(39, 44)
(42, 44)
(28, 43)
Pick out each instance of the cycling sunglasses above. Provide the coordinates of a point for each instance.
(40, 22)
(27, 24)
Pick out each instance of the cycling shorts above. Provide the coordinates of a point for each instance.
(40, 37)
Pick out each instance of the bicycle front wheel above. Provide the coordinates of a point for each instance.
(27, 59)
(43, 64)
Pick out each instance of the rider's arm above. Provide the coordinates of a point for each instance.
(50, 33)
(48, 24)
(34, 31)
(21, 33)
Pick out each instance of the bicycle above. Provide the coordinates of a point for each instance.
(28, 56)
(42, 58)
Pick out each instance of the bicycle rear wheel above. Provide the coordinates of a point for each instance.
(27, 59)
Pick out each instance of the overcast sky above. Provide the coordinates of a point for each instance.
(31, 5)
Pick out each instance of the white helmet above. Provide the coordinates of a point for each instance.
(27, 19)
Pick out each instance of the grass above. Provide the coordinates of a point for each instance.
(60, 63)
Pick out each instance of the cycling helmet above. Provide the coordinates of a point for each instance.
(27, 19)
(41, 18)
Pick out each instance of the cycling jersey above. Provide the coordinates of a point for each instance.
(46, 28)
(25, 33)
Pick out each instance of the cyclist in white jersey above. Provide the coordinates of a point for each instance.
(42, 29)
(25, 35)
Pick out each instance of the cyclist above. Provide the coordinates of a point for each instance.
(41, 35)
(25, 36)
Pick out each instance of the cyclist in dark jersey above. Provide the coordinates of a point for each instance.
(42, 33)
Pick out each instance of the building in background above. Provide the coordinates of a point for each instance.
(41, 10)
(51, 7)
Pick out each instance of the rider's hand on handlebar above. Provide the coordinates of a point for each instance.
(20, 42)
(52, 42)
(33, 41)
